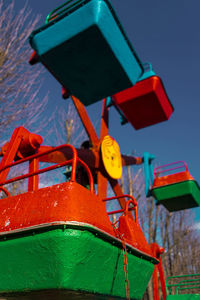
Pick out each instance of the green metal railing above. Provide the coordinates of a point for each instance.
(191, 283)
(59, 11)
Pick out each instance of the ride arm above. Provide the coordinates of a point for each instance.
(148, 171)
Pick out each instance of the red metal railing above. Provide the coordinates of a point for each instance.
(72, 161)
(5, 191)
(161, 169)
(127, 208)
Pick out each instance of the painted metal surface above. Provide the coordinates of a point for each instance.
(183, 287)
(111, 157)
(60, 155)
(62, 46)
(171, 173)
(102, 176)
(145, 104)
(27, 217)
(158, 271)
(89, 156)
(67, 204)
(172, 179)
(177, 189)
(128, 226)
(34, 171)
(22, 144)
(182, 195)
(74, 260)
(148, 71)
(183, 297)
(148, 172)
(64, 203)
(92, 157)
(89, 128)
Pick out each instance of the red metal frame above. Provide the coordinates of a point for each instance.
(33, 182)
(22, 144)
(19, 147)
(177, 176)
(33, 170)
(86, 121)
(159, 170)
(128, 226)
(80, 210)
(158, 270)
(90, 156)
(34, 59)
(126, 209)
(102, 176)
(5, 191)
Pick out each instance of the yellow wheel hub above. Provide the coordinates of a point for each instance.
(111, 157)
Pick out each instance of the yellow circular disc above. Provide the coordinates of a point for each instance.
(111, 157)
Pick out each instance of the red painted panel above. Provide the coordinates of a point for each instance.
(133, 234)
(145, 104)
(62, 203)
(172, 178)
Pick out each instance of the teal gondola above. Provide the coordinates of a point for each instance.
(85, 47)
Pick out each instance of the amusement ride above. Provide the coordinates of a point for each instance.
(58, 242)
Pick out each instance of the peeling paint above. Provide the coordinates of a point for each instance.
(7, 223)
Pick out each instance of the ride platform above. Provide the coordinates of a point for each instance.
(58, 241)
(51, 240)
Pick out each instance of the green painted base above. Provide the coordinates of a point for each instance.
(76, 264)
(184, 297)
(178, 196)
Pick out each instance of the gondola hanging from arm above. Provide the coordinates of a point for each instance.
(85, 47)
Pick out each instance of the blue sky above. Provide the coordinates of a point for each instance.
(165, 33)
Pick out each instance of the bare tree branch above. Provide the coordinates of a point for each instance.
(19, 84)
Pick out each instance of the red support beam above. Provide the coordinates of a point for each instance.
(155, 283)
(33, 182)
(102, 181)
(131, 160)
(118, 191)
(86, 121)
(158, 270)
(162, 279)
(91, 158)
(11, 152)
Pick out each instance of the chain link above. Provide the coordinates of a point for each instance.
(124, 251)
